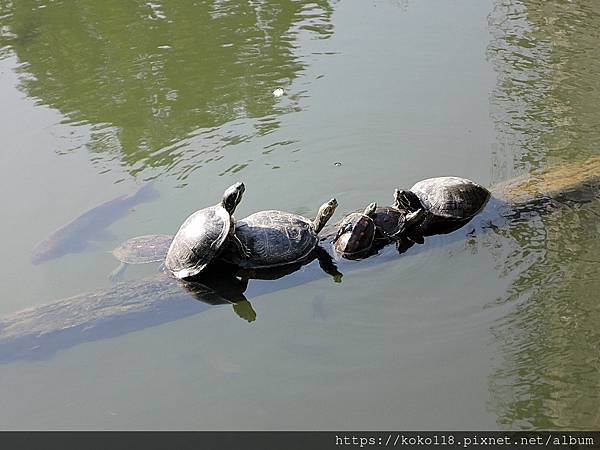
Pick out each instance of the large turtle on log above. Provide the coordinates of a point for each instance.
(278, 238)
(202, 235)
(138, 304)
(448, 202)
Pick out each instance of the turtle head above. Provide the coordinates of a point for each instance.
(407, 200)
(325, 212)
(233, 196)
(370, 210)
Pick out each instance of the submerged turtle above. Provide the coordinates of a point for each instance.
(356, 233)
(140, 250)
(203, 234)
(449, 202)
(277, 238)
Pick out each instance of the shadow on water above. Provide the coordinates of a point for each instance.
(149, 76)
(545, 107)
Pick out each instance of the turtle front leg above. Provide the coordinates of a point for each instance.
(414, 217)
(244, 251)
(402, 245)
(410, 220)
(341, 230)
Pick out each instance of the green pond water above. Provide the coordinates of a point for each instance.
(488, 331)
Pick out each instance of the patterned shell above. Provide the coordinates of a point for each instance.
(360, 238)
(198, 241)
(389, 219)
(451, 197)
(144, 249)
(275, 238)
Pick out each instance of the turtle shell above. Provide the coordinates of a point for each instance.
(451, 198)
(388, 221)
(360, 237)
(198, 241)
(274, 238)
(143, 249)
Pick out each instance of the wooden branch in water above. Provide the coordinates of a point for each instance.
(127, 306)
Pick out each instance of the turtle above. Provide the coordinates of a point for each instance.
(277, 238)
(395, 222)
(355, 233)
(140, 250)
(449, 202)
(202, 235)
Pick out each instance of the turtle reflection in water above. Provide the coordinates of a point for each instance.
(219, 285)
(219, 277)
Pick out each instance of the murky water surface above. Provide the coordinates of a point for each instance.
(493, 330)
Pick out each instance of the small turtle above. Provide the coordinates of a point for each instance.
(140, 250)
(356, 233)
(394, 222)
(449, 202)
(278, 238)
(203, 234)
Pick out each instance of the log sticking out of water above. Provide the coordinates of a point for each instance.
(577, 182)
(134, 305)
